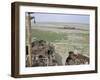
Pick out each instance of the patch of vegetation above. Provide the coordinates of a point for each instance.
(48, 35)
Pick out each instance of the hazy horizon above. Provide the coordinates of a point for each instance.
(60, 18)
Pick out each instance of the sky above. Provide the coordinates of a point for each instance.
(68, 18)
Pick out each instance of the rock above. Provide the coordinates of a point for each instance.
(43, 54)
(76, 59)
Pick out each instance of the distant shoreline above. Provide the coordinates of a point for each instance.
(59, 23)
